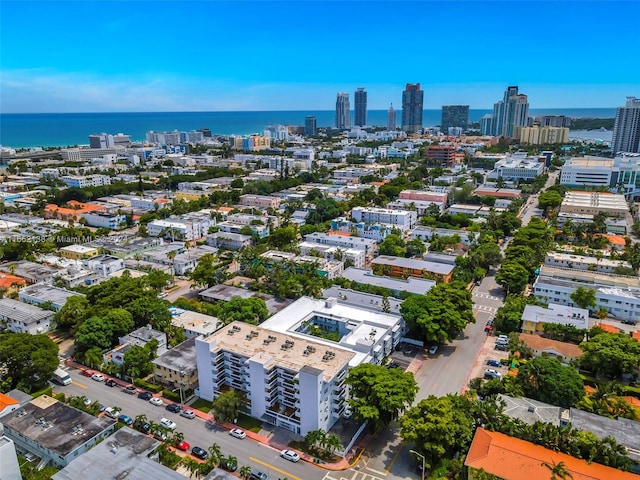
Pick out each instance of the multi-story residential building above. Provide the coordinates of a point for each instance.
(417, 286)
(329, 269)
(391, 118)
(626, 129)
(9, 459)
(144, 335)
(454, 116)
(424, 195)
(148, 204)
(518, 167)
(420, 207)
(112, 221)
(54, 431)
(360, 113)
(516, 115)
(402, 219)
(356, 257)
(78, 252)
(104, 265)
(537, 135)
(164, 138)
(83, 154)
(22, 317)
(310, 126)
(442, 155)
(43, 293)
(194, 323)
(259, 201)
(189, 227)
(620, 296)
(176, 368)
(32, 272)
(592, 203)
(579, 262)
(553, 121)
(486, 125)
(411, 267)
(534, 317)
(232, 241)
(412, 104)
(374, 231)
(343, 111)
(77, 181)
(429, 233)
(370, 247)
(276, 132)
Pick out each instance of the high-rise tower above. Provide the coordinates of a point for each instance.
(510, 112)
(626, 129)
(412, 100)
(391, 118)
(310, 126)
(343, 111)
(360, 114)
(454, 116)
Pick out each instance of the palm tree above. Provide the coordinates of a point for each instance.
(333, 443)
(215, 455)
(140, 419)
(558, 470)
(177, 438)
(192, 466)
(245, 472)
(93, 357)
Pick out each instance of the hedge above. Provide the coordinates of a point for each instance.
(147, 386)
(171, 395)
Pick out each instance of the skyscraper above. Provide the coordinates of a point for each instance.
(454, 116)
(510, 112)
(360, 114)
(412, 100)
(343, 111)
(391, 118)
(310, 126)
(626, 129)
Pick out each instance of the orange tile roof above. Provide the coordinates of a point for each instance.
(513, 459)
(6, 401)
(607, 328)
(379, 184)
(76, 208)
(633, 401)
(6, 280)
(615, 239)
(342, 234)
(536, 342)
(636, 335)
(589, 390)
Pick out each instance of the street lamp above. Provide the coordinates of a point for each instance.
(182, 373)
(422, 457)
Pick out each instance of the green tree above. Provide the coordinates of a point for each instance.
(204, 274)
(283, 237)
(150, 311)
(137, 361)
(513, 277)
(121, 322)
(584, 297)
(93, 357)
(392, 245)
(558, 470)
(611, 354)
(549, 199)
(249, 310)
(157, 279)
(245, 472)
(441, 314)
(439, 427)
(94, 332)
(28, 361)
(75, 310)
(415, 248)
(380, 394)
(547, 380)
(227, 405)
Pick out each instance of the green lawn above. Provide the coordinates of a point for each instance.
(202, 405)
(249, 423)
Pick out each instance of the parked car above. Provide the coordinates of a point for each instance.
(238, 433)
(229, 464)
(173, 408)
(144, 427)
(87, 373)
(433, 349)
(200, 453)
(501, 347)
(182, 445)
(258, 475)
(125, 419)
(98, 377)
(110, 383)
(111, 412)
(168, 424)
(494, 363)
(145, 396)
(131, 390)
(87, 401)
(156, 401)
(290, 455)
(188, 414)
(491, 374)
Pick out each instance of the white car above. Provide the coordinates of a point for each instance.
(188, 414)
(168, 424)
(156, 401)
(290, 455)
(237, 433)
(98, 377)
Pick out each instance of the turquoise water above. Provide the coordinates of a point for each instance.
(62, 129)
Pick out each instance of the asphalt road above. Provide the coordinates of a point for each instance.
(196, 431)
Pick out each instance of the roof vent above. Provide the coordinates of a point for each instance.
(330, 302)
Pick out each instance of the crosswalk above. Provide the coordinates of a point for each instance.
(485, 308)
(352, 474)
(486, 295)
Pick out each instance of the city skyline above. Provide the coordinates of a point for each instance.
(154, 56)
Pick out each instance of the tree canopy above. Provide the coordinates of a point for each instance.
(228, 405)
(584, 297)
(611, 354)
(251, 310)
(29, 361)
(547, 380)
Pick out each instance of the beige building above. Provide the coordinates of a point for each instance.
(592, 203)
(543, 135)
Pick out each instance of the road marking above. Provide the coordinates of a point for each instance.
(272, 467)
(393, 460)
(377, 471)
(79, 384)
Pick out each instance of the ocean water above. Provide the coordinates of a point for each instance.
(63, 129)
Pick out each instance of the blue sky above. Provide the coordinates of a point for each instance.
(100, 56)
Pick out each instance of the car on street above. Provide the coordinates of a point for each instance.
(168, 424)
(488, 328)
(258, 475)
(501, 347)
(125, 419)
(98, 377)
(491, 374)
(494, 363)
(145, 396)
(200, 453)
(237, 433)
(182, 445)
(188, 414)
(87, 401)
(173, 408)
(433, 349)
(290, 455)
(87, 373)
(131, 390)
(144, 427)
(111, 412)
(156, 401)
(230, 464)
(110, 383)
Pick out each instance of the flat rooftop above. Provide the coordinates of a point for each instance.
(180, 357)
(266, 345)
(560, 314)
(439, 268)
(54, 425)
(594, 278)
(194, 321)
(418, 286)
(227, 292)
(22, 312)
(46, 292)
(360, 299)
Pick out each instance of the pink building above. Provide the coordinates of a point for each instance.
(424, 195)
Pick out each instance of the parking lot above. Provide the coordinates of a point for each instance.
(405, 354)
(488, 352)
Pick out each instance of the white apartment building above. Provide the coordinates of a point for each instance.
(592, 203)
(146, 203)
(232, 241)
(24, 318)
(534, 317)
(356, 257)
(428, 233)
(259, 201)
(622, 171)
(402, 219)
(83, 154)
(291, 382)
(326, 268)
(419, 206)
(369, 246)
(80, 181)
(105, 265)
(424, 196)
(579, 262)
(188, 227)
(619, 295)
(517, 167)
(112, 221)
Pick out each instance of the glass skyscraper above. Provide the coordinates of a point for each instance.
(343, 111)
(454, 116)
(412, 102)
(626, 129)
(360, 114)
(310, 126)
(391, 118)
